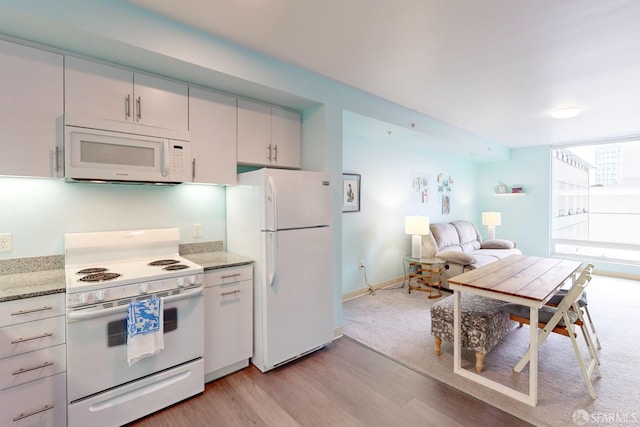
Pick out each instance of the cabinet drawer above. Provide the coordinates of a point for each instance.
(228, 324)
(39, 403)
(228, 275)
(32, 366)
(29, 309)
(24, 337)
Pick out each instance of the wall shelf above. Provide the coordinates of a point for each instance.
(509, 194)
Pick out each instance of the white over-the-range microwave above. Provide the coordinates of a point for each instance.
(98, 150)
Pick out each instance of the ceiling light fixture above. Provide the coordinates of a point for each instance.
(565, 113)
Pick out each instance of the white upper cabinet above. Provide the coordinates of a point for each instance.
(285, 136)
(212, 124)
(31, 109)
(268, 135)
(107, 92)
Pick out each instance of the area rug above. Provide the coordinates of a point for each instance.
(397, 325)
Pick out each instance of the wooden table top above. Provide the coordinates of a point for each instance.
(529, 277)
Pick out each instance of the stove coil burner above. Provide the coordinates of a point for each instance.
(92, 270)
(99, 277)
(162, 262)
(173, 267)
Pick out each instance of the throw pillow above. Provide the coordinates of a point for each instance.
(456, 257)
(497, 244)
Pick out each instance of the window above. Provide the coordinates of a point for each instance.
(595, 209)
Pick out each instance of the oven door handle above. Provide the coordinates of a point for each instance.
(83, 315)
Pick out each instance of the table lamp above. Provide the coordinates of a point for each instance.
(491, 219)
(417, 226)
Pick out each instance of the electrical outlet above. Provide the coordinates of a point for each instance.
(6, 242)
(197, 230)
(361, 264)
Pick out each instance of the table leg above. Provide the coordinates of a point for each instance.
(457, 335)
(533, 363)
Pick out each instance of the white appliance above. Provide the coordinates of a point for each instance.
(97, 150)
(282, 220)
(104, 272)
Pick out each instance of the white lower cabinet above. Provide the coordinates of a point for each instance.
(33, 382)
(228, 320)
(41, 403)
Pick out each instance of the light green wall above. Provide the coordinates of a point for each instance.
(387, 166)
(525, 219)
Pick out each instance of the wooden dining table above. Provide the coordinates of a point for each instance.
(527, 280)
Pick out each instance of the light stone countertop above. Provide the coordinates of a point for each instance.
(215, 260)
(31, 284)
(18, 280)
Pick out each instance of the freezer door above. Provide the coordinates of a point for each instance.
(296, 199)
(297, 309)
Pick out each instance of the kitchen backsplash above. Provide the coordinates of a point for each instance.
(197, 248)
(54, 262)
(31, 264)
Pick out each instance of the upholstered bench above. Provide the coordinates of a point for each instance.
(484, 324)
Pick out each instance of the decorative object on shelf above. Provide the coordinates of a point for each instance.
(350, 192)
(419, 187)
(516, 189)
(502, 189)
(417, 226)
(491, 219)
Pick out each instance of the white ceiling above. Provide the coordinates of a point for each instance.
(495, 68)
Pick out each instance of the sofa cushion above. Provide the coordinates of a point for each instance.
(445, 237)
(497, 244)
(468, 236)
(456, 257)
(482, 258)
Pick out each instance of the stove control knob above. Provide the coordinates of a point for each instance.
(83, 298)
(144, 288)
(192, 280)
(180, 282)
(101, 295)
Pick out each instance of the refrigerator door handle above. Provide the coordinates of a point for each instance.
(273, 198)
(273, 250)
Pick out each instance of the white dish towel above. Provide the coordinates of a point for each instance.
(145, 335)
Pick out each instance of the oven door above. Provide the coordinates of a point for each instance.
(97, 344)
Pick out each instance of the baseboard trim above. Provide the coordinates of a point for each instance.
(365, 291)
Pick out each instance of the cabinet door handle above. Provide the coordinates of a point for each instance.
(229, 276)
(56, 161)
(28, 414)
(224, 294)
(20, 340)
(34, 310)
(139, 108)
(275, 153)
(193, 170)
(269, 152)
(127, 107)
(33, 368)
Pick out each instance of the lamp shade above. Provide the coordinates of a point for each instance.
(491, 218)
(416, 225)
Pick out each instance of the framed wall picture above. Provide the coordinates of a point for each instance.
(502, 189)
(350, 192)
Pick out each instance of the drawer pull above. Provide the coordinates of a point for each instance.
(23, 370)
(224, 294)
(19, 340)
(229, 276)
(28, 414)
(35, 310)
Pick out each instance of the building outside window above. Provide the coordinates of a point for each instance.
(596, 201)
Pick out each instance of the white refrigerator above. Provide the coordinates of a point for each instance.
(282, 220)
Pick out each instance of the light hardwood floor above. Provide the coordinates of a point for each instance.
(345, 384)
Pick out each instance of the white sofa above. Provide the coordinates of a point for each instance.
(459, 243)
